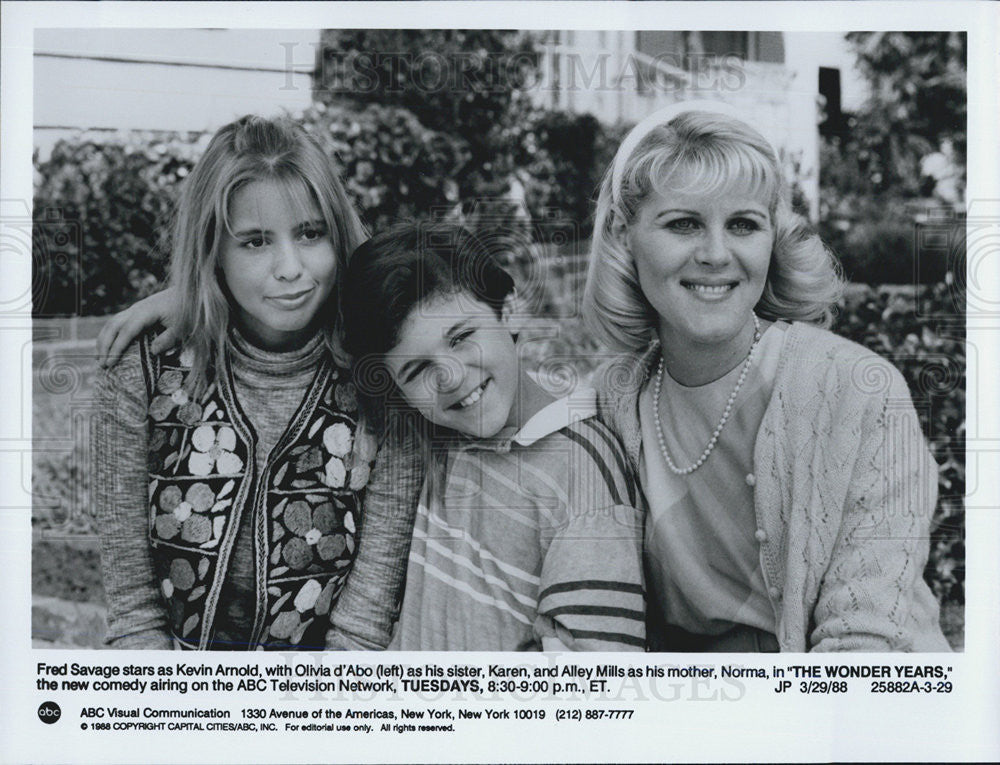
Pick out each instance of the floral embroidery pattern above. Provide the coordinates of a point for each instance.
(198, 470)
(197, 517)
(213, 451)
(313, 526)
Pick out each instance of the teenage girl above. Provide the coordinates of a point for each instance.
(229, 468)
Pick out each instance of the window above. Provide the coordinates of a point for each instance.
(688, 50)
(829, 88)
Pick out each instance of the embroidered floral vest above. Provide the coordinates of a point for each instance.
(305, 502)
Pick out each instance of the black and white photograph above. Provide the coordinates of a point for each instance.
(345, 339)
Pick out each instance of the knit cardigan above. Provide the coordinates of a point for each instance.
(845, 488)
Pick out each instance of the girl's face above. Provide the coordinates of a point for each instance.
(702, 261)
(279, 265)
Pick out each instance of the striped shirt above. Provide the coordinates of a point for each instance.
(528, 542)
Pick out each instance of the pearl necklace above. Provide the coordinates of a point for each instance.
(725, 415)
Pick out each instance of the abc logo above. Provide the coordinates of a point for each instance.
(49, 712)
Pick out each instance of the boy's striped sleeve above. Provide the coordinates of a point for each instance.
(591, 595)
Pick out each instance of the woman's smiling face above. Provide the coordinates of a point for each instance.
(702, 261)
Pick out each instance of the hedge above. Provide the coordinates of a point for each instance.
(100, 212)
(895, 248)
(922, 331)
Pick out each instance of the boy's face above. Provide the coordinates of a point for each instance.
(456, 363)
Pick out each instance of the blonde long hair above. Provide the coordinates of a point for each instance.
(250, 149)
(803, 280)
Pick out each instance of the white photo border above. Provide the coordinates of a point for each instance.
(958, 726)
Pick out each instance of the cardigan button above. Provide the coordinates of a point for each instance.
(774, 592)
(751, 479)
(760, 535)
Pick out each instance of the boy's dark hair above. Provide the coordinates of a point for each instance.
(389, 276)
(398, 269)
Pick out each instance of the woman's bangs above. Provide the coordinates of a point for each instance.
(716, 171)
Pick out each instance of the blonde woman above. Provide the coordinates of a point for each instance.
(788, 484)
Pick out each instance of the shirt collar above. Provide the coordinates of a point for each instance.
(553, 417)
(578, 405)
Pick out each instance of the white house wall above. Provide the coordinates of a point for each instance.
(165, 79)
(595, 72)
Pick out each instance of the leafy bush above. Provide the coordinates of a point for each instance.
(560, 159)
(917, 86)
(921, 330)
(101, 211)
(392, 166)
(466, 84)
(470, 86)
(893, 249)
(885, 239)
(873, 175)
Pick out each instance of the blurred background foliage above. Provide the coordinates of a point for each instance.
(892, 180)
(897, 165)
(473, 102)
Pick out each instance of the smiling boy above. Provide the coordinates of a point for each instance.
(526, 535)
